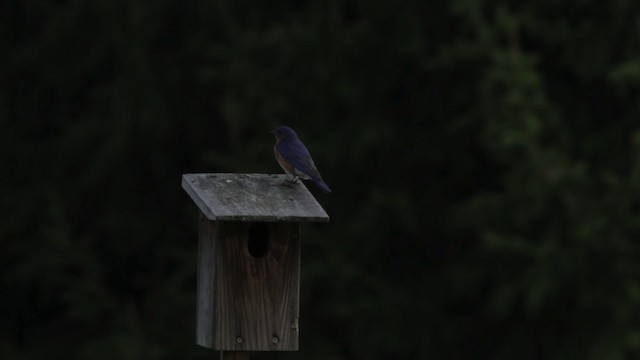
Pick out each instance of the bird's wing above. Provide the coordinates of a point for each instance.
(297, 154)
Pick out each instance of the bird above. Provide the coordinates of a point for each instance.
(294, 158)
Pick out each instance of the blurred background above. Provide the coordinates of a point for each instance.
(484, 158)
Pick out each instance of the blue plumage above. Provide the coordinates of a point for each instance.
(294, 157)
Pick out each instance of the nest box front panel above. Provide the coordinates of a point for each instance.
(248, 285)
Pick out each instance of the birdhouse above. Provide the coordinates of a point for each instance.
(248, 296)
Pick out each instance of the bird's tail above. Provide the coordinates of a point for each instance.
(322, 185)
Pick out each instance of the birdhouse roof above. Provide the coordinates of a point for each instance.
(252, 197)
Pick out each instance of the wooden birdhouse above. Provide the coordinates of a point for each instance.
(249, 259)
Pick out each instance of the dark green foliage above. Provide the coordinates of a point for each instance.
(484, 157)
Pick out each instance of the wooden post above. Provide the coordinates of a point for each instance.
(249, 260)
(234, 355)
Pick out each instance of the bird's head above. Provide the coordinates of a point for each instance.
(284, 133)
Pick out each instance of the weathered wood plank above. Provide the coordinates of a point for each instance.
(255, 300)
(206, 282)
(252, 197)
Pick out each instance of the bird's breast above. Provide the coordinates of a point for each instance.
(287, 166)
(284, 164)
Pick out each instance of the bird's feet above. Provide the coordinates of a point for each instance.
(291, 181)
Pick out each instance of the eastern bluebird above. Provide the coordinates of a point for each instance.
(294, 157)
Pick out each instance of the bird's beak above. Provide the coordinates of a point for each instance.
(272, 131)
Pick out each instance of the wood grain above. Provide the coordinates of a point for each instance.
(206, 281)
(248, 303)
(252, 197)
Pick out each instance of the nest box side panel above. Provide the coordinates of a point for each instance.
(206, 281)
